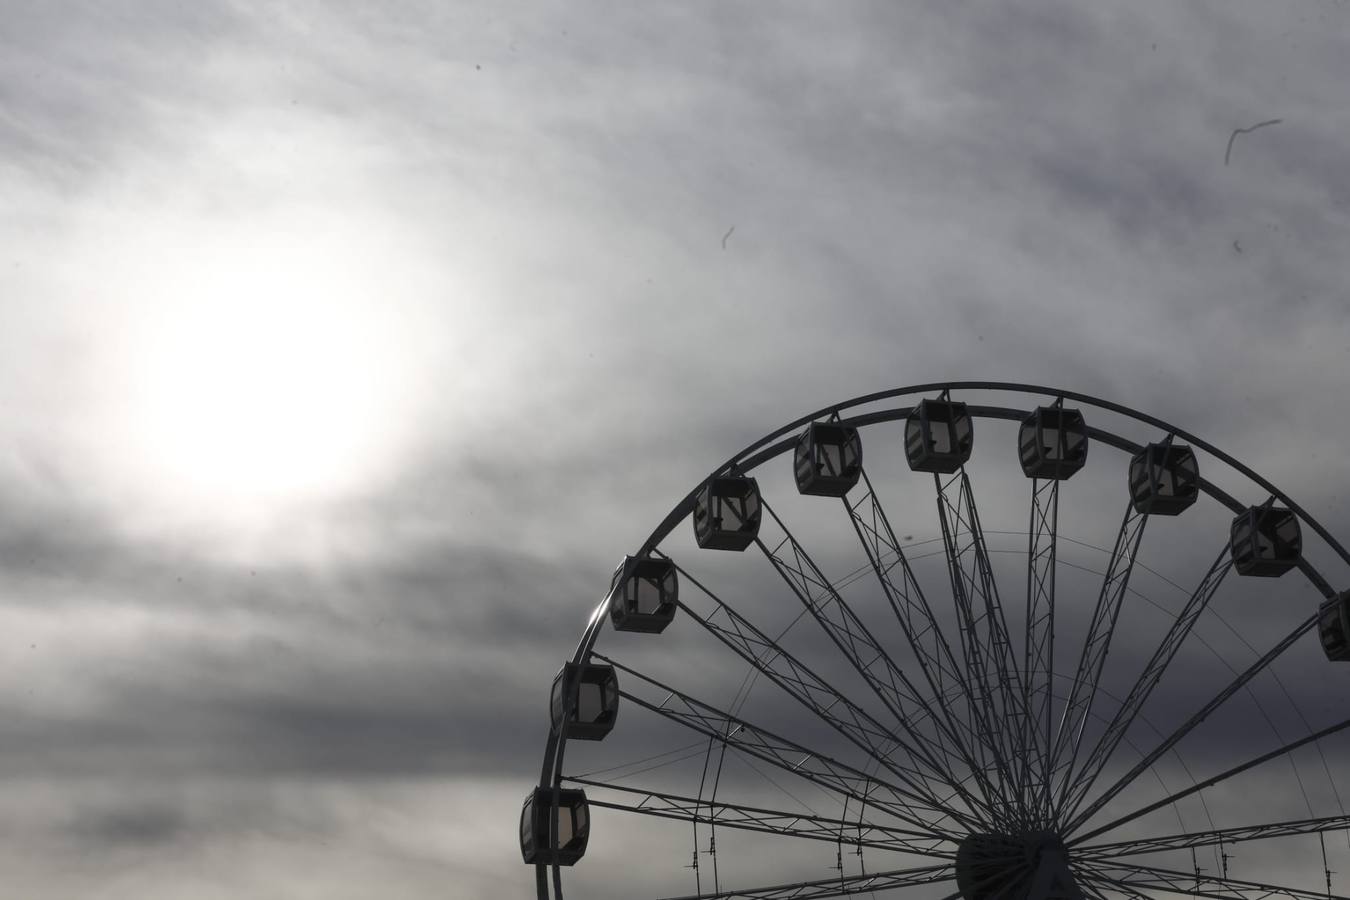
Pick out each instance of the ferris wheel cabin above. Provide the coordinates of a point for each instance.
(585, 701)
(536, 823)
(1333, 627)
(1265, 541)
(643, 595)
(1164, 479)
(828, 460)
(1052, 443)
(938, 437)
(727, 513)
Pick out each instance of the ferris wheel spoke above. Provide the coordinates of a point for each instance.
(1095, 887)
(984, 636)
(1189, 725)
(837, 777)
(926, 639)
(1213, 780)
(1200, 884)
(1092, 880)
(1101, 628)
(1147, 681)
(806, 687)
(1131, 745)
(862, 650)
(1215, 837)
(1091, 890)
(1038, 674)
(769, 821)
(840, 886)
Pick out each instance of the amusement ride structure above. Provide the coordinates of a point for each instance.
(977, 712)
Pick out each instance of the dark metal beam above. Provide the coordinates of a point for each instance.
(1186, 727)
(929, 644)
(1214, 837)
(769, 821)
(1210, 782)
(792, 757)
(1038, 643)
(843, 886)
(1199, 884)
(797, 680)
(863, 651)
(984, 640)
(1148, 679)
(1097, 644)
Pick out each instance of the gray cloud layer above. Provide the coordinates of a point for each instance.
(350, 696)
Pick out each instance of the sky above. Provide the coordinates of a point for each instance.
(345, 348)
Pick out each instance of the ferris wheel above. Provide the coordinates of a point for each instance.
(843, 679)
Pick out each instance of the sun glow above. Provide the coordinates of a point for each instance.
(262, 396)
(277, 376)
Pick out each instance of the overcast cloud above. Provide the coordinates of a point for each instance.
(493, 286)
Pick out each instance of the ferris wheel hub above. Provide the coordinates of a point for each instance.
(1029, 866)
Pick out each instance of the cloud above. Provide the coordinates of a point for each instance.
(337, 695)
(145, 825)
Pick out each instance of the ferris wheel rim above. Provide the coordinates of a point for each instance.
(756, 450)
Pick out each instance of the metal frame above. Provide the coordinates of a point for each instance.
(953, 743)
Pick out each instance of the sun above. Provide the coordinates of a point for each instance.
(269, 376)
(269, 394)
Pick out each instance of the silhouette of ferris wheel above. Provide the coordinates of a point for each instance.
(980, 712)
